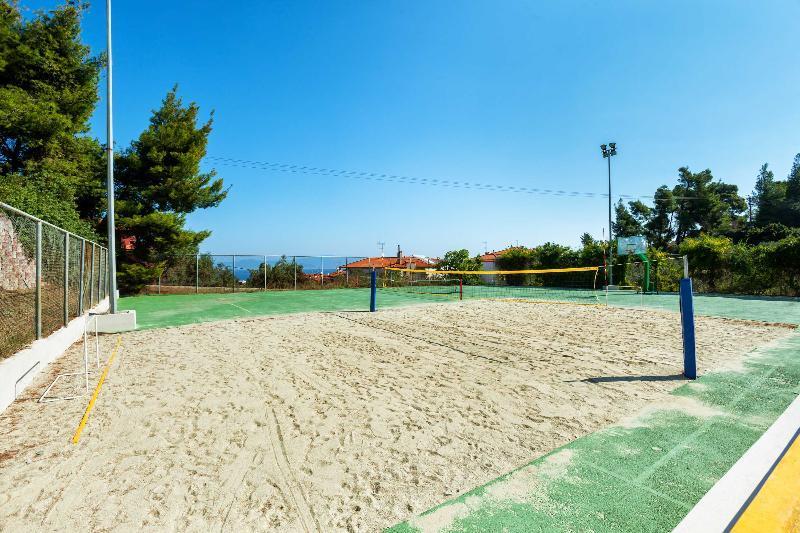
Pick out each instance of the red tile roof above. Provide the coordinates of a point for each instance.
(390, 262)
(490, 257)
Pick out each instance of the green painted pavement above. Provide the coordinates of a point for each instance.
(160, 311)
(180, 309)
(644, 476)
(762, 308)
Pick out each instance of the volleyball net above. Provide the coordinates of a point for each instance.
(575, 285)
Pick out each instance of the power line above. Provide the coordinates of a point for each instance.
(395, 178)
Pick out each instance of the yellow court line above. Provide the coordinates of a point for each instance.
(76, 437)
(493, 272)
(776, 507)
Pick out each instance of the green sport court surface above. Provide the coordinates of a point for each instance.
(641, 478)
(180, 309)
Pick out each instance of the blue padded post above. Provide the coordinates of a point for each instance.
(687, 325)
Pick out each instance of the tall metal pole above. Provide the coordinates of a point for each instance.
(610, 245)
(112, 245)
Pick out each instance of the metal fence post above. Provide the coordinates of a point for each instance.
(265, 272)
(38, 312)
(83, 272)
(197, 273)
(91, 281)
(322, 271)
(294, 262)
(373, 291)
(346, 272)
(100, 276)
(233, 270)
(66, 278)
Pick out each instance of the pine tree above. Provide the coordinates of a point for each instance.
(625, 224)
(48, 91)
(767, 198)
(158, 183)
(791, 210)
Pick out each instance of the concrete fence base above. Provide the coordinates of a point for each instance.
(19, 370)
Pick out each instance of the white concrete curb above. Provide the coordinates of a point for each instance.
(19, 370)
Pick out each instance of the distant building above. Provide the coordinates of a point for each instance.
(399, 261)
(489, 259)
(128, 243)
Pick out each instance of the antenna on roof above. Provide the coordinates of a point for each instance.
(381, 245)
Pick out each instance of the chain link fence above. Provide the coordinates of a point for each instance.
(48, 276)
(214, 273)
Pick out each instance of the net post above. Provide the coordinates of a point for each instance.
(38, 318)
(460, 287)
(685, 266)
(67, 244)
(373, 290)
(687, 325)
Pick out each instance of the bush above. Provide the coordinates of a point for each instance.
(708, 256)
(515, 259)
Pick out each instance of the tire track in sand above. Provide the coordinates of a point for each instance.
(295, 491)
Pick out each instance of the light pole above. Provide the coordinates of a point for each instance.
(112, 242)
(608, 152)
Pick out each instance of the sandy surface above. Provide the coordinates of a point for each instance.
(338, 421)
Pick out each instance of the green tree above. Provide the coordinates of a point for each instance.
(459, 260)
(553, 255)
(782, 260)
(707, 256)
(791, 209)
(592, 252)
(158, 183)
(281, 275)
(625, 223)
(767, 198)
(658, 230)
(705, 206)
(516, 258)
(48, 91)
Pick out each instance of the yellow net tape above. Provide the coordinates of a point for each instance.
(495, 272)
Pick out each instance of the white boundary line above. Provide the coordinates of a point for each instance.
(727, 498)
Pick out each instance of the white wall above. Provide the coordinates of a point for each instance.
(19, 370)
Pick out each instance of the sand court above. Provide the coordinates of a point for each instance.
(337, 421)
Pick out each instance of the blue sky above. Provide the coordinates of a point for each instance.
(513, 93)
